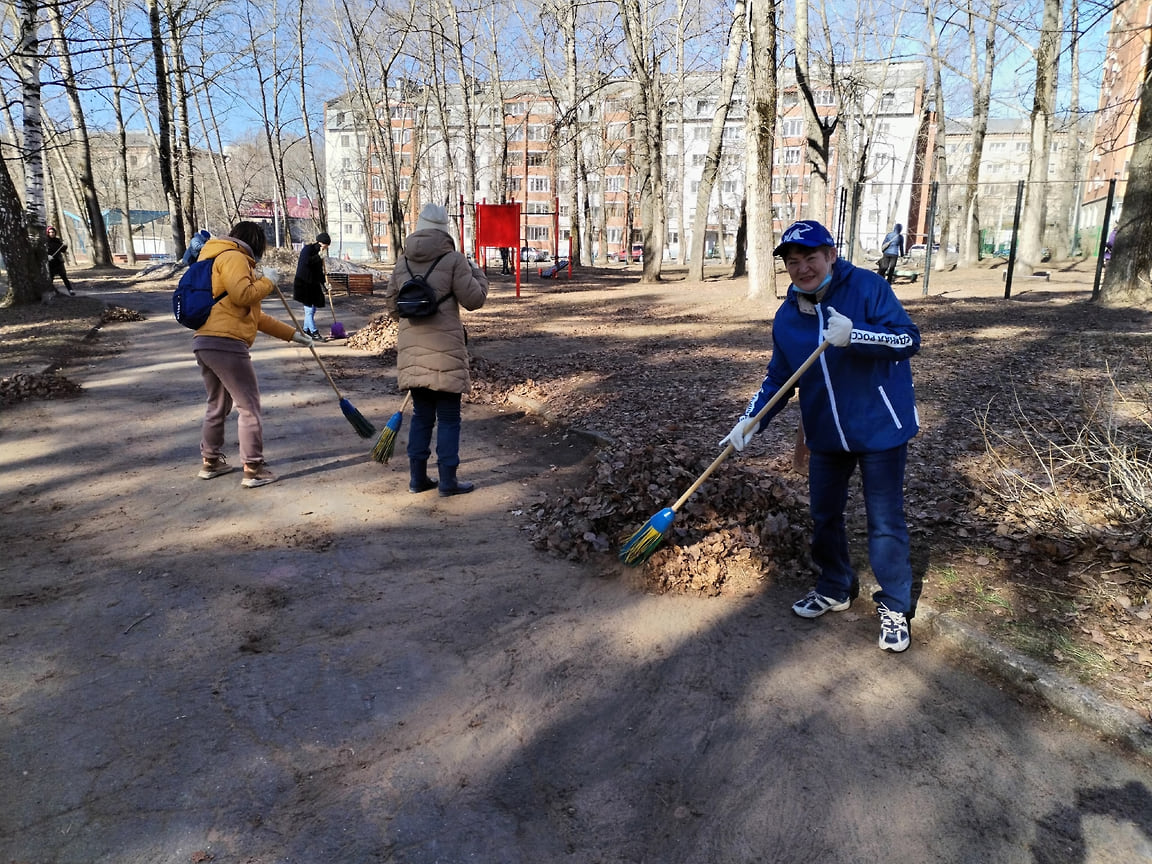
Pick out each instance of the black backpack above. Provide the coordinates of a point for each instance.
(416, 298)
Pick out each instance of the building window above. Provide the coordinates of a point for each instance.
(345, 140)
(539, 184)
(613, 184)
(377, 183)
(888, 101)
(824, 97)
(536, 232)
(537, 157)
(347, 207)
(793, 127)
(617, 131)
(379, 205)
(537, 132)
(791, 155)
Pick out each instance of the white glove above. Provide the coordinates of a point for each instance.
(740, 435)
(302, 339)
(839, 329)
(271, 274)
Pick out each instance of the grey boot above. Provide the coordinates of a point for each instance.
(419, 480)
(449, 485)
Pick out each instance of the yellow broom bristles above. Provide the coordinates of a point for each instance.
(385, 445)
(641, 545)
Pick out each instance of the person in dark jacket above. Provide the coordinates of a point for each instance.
(859, 411)
(57, 249)
(308, 286)
(432, 352)
(891, 249)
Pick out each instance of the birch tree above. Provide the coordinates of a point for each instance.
(818, 133)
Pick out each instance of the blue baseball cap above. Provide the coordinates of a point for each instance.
(806, 232)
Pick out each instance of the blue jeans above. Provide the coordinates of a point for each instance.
(309, 319)
(888, 547)
(442, 410)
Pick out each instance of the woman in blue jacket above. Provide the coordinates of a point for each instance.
(859, 410)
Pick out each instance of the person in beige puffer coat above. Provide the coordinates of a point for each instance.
(221, 348)
(432, 352)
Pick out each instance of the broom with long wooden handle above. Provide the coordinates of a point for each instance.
(639, 547)
(359, 422)
(386, 443)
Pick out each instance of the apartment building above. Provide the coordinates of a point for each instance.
(1004, 162)
(525, 148)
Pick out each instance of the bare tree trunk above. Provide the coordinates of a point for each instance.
(32, 252)
(761, 136)
(164, 121)
(568, 17)
(321, 205)
(1035, 195)
(184, 170)
(981, 99)
(115, 39)
(98, 234)
(27, 275)
(819, 137)
(467, 77)
(1062, 241)
(941, 155)
(1128, 279)
(716, 139)
(638, 42)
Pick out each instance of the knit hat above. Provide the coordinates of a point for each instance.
(433, 216)
(323, 239)
(806, 232)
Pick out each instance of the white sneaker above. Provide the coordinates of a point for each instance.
(893, 630)
(814, 604)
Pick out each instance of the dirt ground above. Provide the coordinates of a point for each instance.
(332, 669)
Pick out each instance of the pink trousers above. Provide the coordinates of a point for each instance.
(230, 379)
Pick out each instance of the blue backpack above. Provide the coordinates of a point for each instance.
(192, 301)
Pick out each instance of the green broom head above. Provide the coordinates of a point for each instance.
(640, 546)
(386, 443)
(363, 428)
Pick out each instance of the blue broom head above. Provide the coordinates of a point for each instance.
(639, 547)
(363, 428)
(338, 330)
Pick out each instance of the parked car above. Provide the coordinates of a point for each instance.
(637, 255)
(531, 253)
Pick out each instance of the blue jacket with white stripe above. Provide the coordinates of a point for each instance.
(859, 398)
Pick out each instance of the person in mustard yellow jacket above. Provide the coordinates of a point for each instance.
(221, 349)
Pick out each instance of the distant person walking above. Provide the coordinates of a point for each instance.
(57, 249)
(192, 253)
(892, 248)
(432, 352)
(308, 286)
